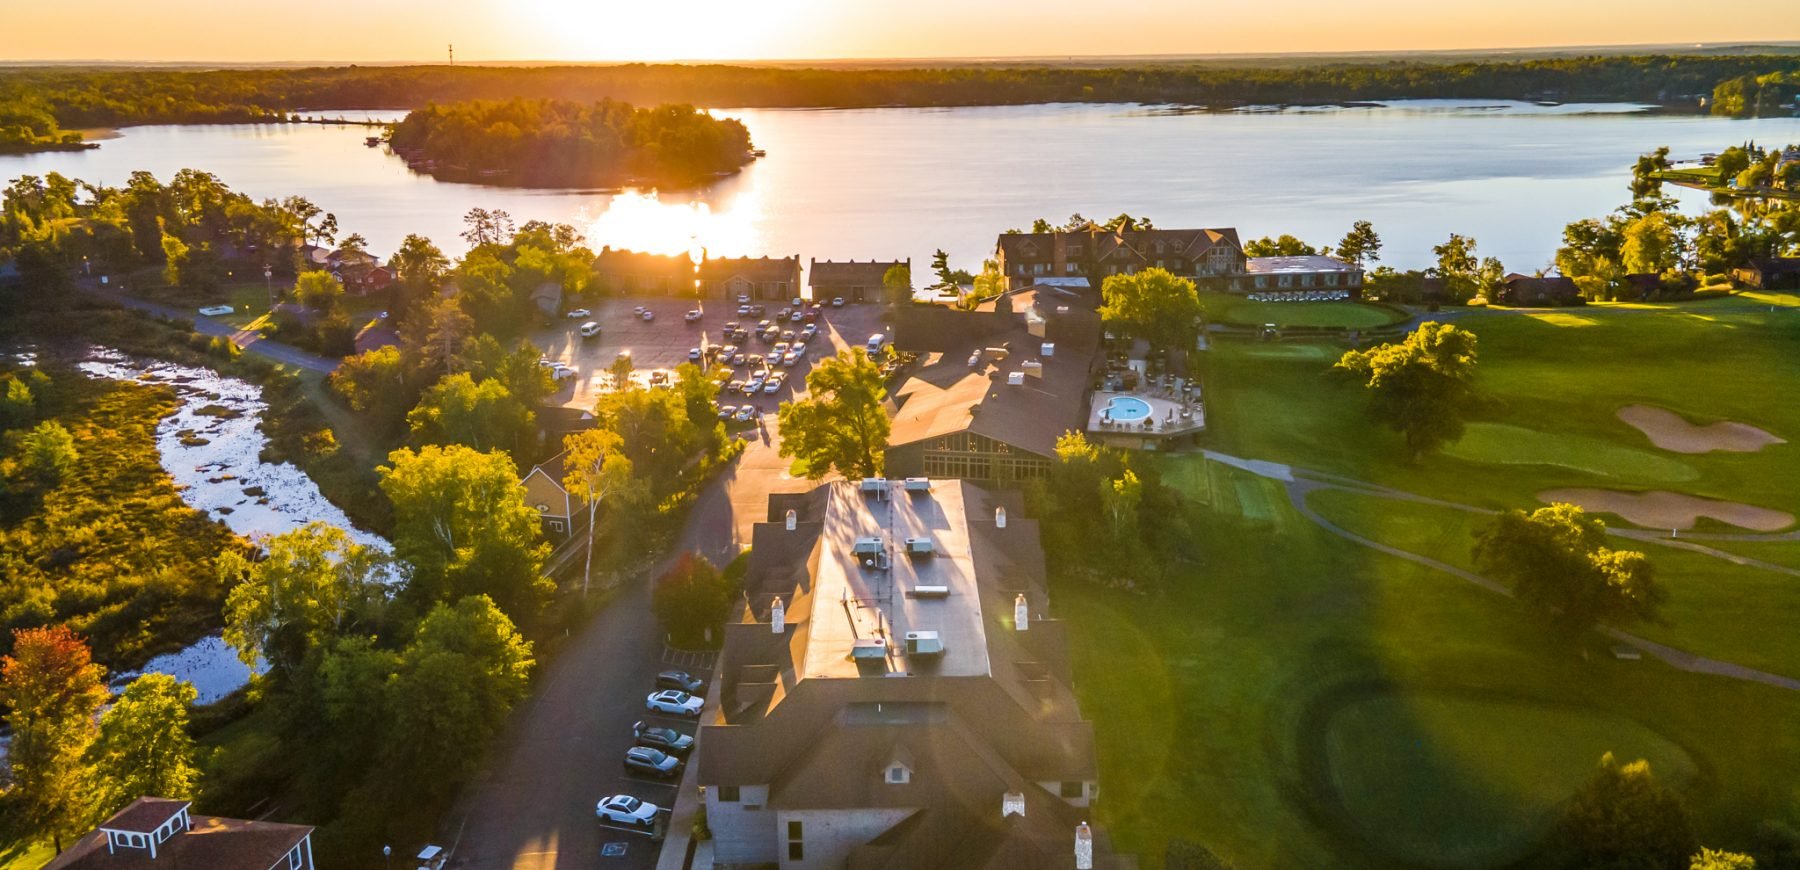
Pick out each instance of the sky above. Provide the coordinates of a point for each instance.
(249, 31)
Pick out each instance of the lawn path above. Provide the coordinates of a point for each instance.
(1300, 483)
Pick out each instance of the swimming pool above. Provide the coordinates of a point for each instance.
(1126, 409)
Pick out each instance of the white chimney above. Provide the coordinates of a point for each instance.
(1084, 847)
(1012, 804)
(999, 518)
(792, 520)
(777, 617)
(1021, 613)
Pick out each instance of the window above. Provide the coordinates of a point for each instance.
(1261, 282)
(898, 775)
(728, 794)
(1074, 250)
(1074, 789)
(796, 842)
(296, 859)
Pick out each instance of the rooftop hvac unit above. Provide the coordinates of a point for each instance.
(869, 648)
(931, 592)
(1016, 379)
(874, 484)
(867, 546)
(1047, 349)
(1032, 367)
(920, 546)
(918, 484)
(924, 643)
(996, 352)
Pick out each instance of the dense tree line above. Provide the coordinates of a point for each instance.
(82, 98)
(560, 142)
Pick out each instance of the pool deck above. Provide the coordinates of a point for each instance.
(1165, 410)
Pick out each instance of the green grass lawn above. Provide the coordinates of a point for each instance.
(1557, 380)
(1498, 770)
(1352, 315)
(1503, 444)
(1212, 701)
(1715, 608)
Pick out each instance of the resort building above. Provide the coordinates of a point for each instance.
(1207, 256)
(1302, 278)
(1536, 290)
(635, 273)
(1212, 258)
(852, 281)
(992, 390)
(894, 694)
(774, 278)
(158, 832)
(1769, 273)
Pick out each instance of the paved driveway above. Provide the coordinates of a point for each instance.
(535, 809)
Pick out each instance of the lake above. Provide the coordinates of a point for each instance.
(895, 183)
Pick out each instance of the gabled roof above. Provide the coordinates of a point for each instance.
(145, 814)
(945, 395)
(642, 262)
(750, 268)
(211, 842)
(867, 273)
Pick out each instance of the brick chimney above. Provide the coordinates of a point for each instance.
(999, 518)
(777, 617)
(793, 519)
(1084, 847)
(1021, 613)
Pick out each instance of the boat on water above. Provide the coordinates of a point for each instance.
(373, 141)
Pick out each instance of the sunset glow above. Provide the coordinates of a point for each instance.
(610, 30)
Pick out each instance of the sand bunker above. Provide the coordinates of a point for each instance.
(1661, 509)
(1671, 431)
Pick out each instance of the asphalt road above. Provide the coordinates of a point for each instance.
(535, 808)
(251, 342)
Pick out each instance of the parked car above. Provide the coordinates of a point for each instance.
(774, 384)
(580, 314)
(562, 372)
(755, 383)
(837, 301)
(654, 762)
(793, 356)
(671, 701)
(737, 359)
(693, 354)
(693, 315)
(726, 412)
(639, 310)
(665, 739)
(744, 415)
(743, 298)
(590, 329)
(743, 310)
(736, 386)
(757, 310)
(771, 334)
(798, 302)
(787, 335)
(623, 809)
(756, 359)
(810, 332)
(726, 330)
(780, 348)
(682, 680)
(648, 315)
(216, 310)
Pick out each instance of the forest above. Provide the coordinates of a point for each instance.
(77, 98)
(562, 143)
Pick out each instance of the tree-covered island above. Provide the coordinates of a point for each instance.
(560, 143)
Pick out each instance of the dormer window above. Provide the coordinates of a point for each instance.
(898, 774)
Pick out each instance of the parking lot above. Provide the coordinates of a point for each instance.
(662, 343)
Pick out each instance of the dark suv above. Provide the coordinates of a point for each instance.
(682, 680)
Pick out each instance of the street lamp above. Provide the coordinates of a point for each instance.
(387, 852)
(269, 279)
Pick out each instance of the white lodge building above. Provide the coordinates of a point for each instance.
(893, 693)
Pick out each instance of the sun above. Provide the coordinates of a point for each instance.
(671, 30)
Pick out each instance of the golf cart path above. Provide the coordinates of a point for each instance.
(1300, 483)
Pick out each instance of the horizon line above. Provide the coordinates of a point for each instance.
(1663, 47)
